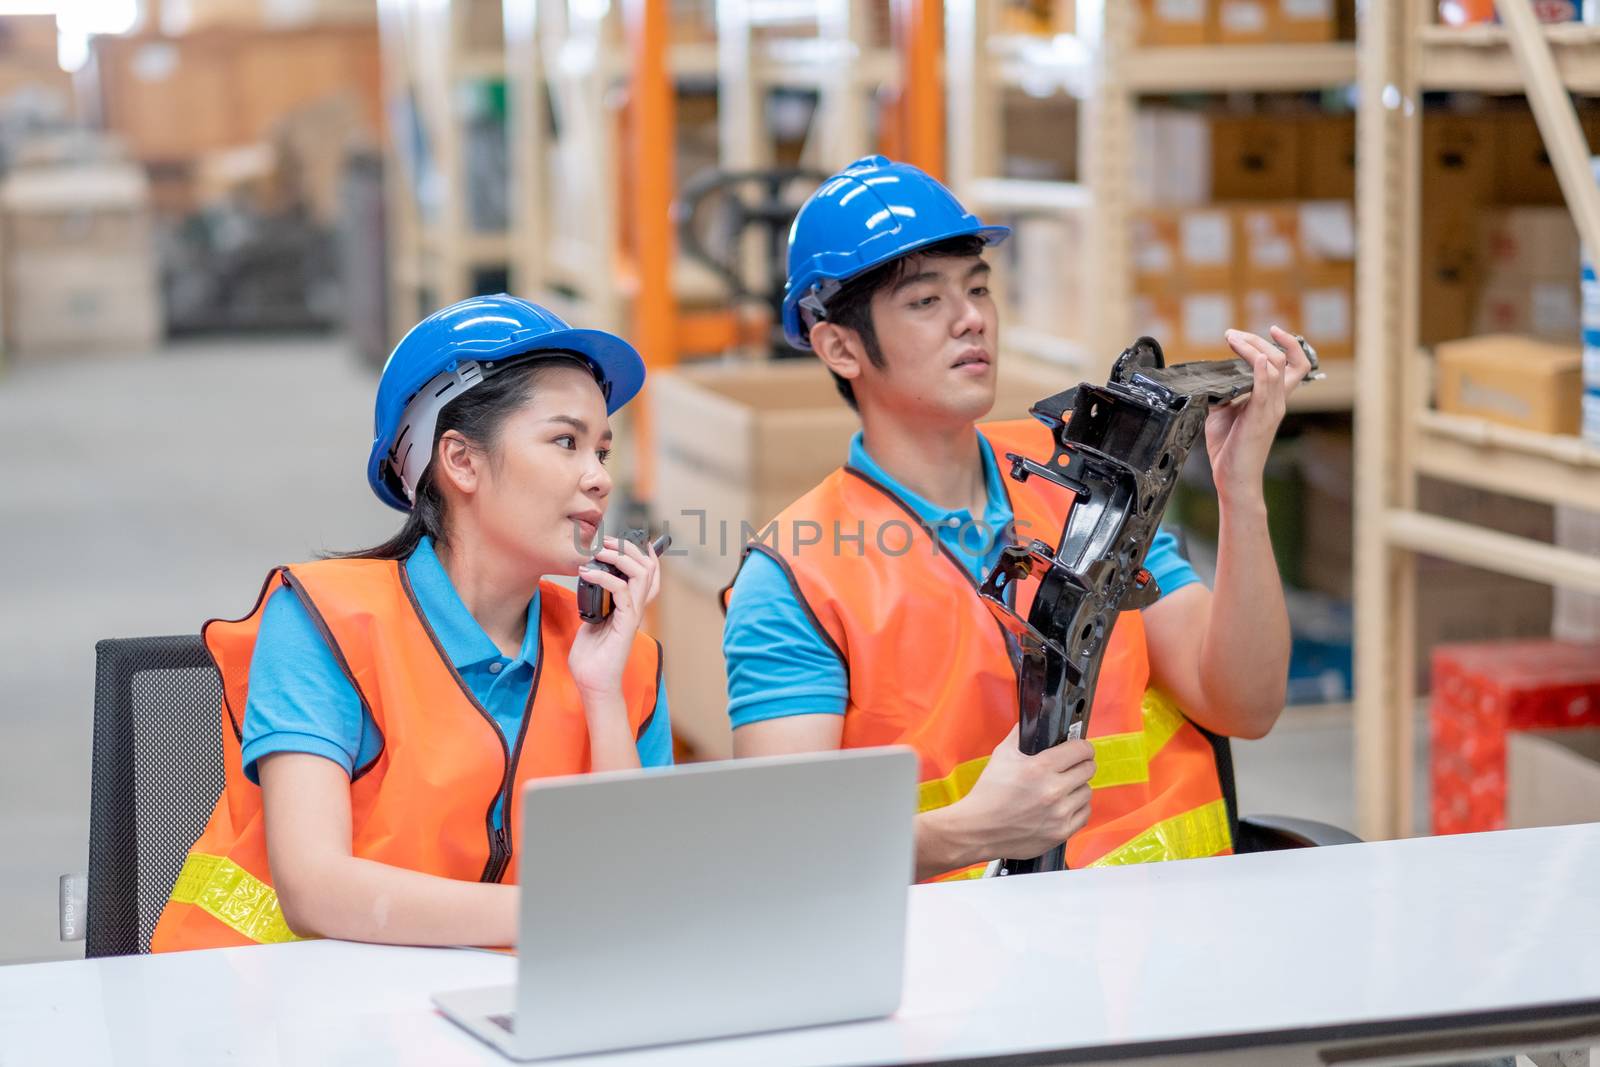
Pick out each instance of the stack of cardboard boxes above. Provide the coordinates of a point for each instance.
(1261, 231)
(1196, 22)
(80, 271)
(29, 61)
(1498, 251)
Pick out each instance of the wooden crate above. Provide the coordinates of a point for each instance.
(178, 98)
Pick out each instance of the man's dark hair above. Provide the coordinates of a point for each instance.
(851, 307)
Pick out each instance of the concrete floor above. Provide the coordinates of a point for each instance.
(146, 493)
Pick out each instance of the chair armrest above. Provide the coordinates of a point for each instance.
(1268, 833)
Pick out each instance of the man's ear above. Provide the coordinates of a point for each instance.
(457, 463)
(839, 348)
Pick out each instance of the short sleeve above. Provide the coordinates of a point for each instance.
(300, 700)
(778, 664)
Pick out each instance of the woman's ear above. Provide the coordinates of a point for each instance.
(839, 348)
(457, 463)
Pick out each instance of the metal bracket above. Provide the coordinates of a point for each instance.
(1119, 448)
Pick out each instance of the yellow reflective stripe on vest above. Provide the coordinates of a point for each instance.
(234, 897)
(1191, 835)
(1161, 719)
(1120, 759)
(942, 792)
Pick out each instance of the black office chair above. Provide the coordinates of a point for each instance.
(157, 774)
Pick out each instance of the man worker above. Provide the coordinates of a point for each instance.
(873, 632)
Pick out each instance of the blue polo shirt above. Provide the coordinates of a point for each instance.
(779, 665)
(300, 701)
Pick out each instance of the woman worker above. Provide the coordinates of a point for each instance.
(382, 709)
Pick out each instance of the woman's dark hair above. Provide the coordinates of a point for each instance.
(476, 415)
(851, 307)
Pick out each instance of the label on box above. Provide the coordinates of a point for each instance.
(1207, 238)
(1152, 257)
(1181, 10)
(1480, 396)
(1244, 16)
(1150, 321)
(1591, 364)
(1308, 10)
(1268, 247)
(1327, 314)
(1327, 229)
(1206, 318)
(1552, 309)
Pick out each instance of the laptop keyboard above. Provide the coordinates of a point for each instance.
(506, 1021)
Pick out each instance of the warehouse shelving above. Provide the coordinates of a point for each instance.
(432, 53)
(1101, 65)
(1397, 438)
(587, 239)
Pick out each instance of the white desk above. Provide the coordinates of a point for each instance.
(1330, 955)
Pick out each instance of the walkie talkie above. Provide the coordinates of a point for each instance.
(595, 603)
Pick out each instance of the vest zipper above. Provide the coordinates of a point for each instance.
(500, 841)
(499, 838)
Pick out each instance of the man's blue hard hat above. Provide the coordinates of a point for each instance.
(454, 349)
(873, 211)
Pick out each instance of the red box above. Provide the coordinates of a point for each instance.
(1483, 690)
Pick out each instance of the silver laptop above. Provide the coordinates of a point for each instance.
(703, 901)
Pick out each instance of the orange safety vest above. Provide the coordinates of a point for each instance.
(426, 801)
(929, 666)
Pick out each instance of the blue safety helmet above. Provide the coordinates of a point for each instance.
(873, 211)
(454, 349)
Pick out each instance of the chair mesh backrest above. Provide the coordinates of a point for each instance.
(157, 773)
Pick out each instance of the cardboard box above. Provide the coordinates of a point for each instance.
(1327, 157)
(1512, 380)
(1206, 248)
(1304, 22)
(1156, 236)
(1523, 172)
(1156, 315)
(1203, 320)
(690, 620)
(1262, 307)
(738, 442)
(1533, 307)
(80, 270)
(1179, 140)
(1450, 274)
(1267, 244)
(1529, 242)
(1039, 137)
(1552, 778)
(1326, 231)
(1243, 21)
(1173, 22)
(1458, 158)
(1254, 158)
(180, 17)
(1043, 283)
(174, 99)
(1328, 319)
